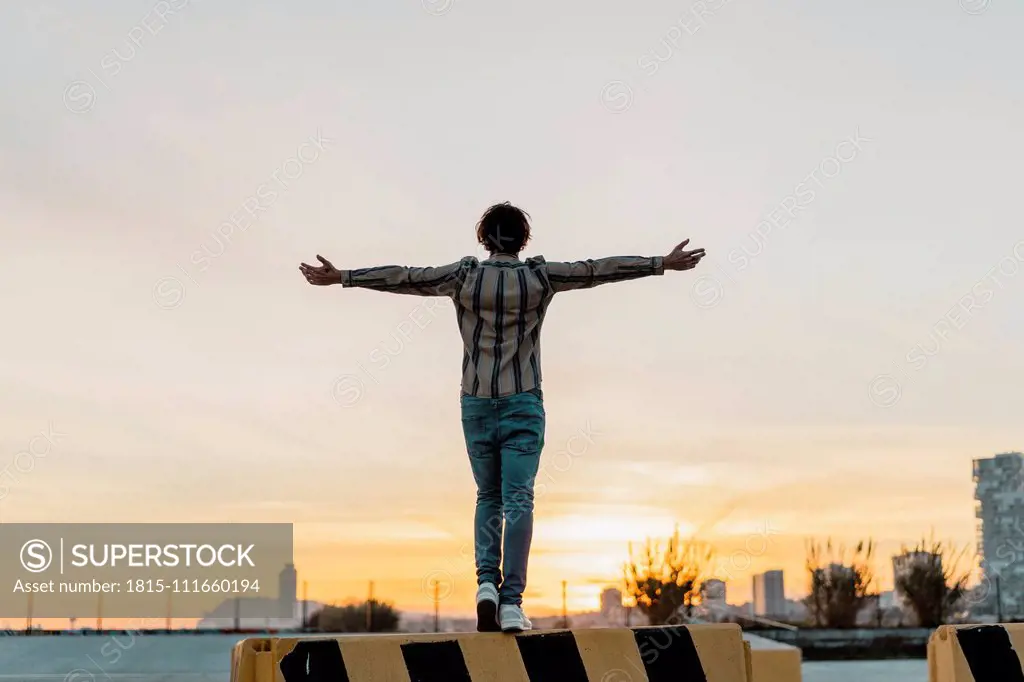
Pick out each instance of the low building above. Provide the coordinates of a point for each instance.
(713, 591)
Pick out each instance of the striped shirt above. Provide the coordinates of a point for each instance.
(500, 305)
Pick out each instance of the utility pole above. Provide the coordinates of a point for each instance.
(305, 604)
(625, 594)
(99, 613)
(28, 621)
(169, 596)
(369, 610)
(999, 602)
(437, 605)
(565, 611)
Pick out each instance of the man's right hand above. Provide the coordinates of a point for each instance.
(683, 260)
(321, 276)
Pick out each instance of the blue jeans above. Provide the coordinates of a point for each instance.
(504, 438)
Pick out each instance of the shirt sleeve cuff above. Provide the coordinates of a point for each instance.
(658, 263)
(346, 278)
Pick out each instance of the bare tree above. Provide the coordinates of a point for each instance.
(665, 582)
(839, 590)
(932, 583)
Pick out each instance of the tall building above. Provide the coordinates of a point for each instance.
(288, 588)
(999, 493)
(769, 595)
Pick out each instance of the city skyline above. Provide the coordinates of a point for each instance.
(847, 348)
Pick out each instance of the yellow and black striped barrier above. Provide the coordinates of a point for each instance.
(694, 653)
(977, 653)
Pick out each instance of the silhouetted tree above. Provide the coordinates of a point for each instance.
(931, 582)
(839, 591)
(352, 618)
(665, 582)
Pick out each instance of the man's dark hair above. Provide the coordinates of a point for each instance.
(503, 228)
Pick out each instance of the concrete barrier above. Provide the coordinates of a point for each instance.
(695, 653)
(977, 653)
(773, 661)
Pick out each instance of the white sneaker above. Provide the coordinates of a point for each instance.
(487, 608)
(513, 619)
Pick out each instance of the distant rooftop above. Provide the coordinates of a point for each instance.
(1001, 455)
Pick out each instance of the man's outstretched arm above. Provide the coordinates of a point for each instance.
(590, 273)
(397, 279)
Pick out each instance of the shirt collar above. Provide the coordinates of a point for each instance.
(503, 258)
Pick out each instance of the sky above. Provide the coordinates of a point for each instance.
(847, 347)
